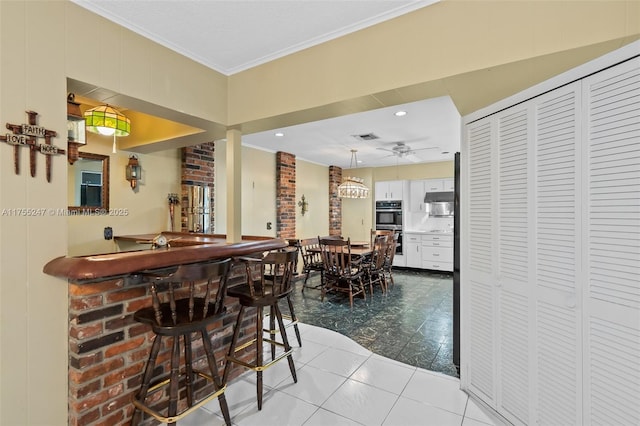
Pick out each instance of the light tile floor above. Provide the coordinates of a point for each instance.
(342, 383)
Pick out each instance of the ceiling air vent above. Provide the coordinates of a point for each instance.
(366, 137)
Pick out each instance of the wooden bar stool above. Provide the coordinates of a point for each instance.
(178, 312)
(268, 280)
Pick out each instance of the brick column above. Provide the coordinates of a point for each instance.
(285, 195)
(335, 202)
(198, 169)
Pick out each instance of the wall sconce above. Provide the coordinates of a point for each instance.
(133, 171)
(304, 206)
(76, 133)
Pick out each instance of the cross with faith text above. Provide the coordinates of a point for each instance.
(28, 135)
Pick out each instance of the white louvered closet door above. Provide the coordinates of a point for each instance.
(514, 137)
(558, 247)
(478, 261)
(612, 291)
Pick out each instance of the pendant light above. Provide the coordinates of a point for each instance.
(353, 187)
(107, 121)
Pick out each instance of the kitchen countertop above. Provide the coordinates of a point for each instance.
(431, 232)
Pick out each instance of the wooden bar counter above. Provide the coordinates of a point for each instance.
(107, 348)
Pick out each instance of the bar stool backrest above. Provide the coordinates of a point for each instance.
(174, 303)
(274, 275)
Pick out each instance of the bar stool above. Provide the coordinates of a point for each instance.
(268, 281)
(178, 312)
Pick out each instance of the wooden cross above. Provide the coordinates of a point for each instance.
(27, 135)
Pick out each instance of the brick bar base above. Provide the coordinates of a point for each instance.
(108, 349)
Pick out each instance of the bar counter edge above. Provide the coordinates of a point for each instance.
(98, 267)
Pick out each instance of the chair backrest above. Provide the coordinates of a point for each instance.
(336, 257)
(391, 249)
(172, 300)
(310, 252)
(377, 232)
(379, 253)
(274, 275)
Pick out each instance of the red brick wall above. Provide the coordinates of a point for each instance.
(285, 195)
(198, 168)
(108, 349)
(335, 202)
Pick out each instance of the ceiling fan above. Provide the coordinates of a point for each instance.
(401, 150)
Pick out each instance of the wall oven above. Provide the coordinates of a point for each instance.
(389, 214)
(389, 217)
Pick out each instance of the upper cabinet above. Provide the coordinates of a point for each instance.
(438, 185)
(416, 195)
(390, 190)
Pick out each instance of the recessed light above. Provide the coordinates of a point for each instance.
(400, 113)
(279, 134)
(445, 152)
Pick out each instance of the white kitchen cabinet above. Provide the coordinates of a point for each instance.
(390, 190)
(449, 185)
(437, 252)
(416, 196)
(434, 185)
(413, 250)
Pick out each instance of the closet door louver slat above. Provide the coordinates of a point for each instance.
(612, 158)
(556, 250)
(513, 261)
(481, 342)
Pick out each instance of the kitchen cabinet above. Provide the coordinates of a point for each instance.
(390, 190)
(437, 252)
(413, 249)
(416, 196)
(439, 185)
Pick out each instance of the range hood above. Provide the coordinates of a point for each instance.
(439, 204)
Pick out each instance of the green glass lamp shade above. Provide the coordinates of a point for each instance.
(107, 121)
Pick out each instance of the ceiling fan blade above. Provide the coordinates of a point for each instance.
(424, 149)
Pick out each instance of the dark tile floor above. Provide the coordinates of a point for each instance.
(411, 323)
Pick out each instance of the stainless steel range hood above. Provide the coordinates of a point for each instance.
(439, 204)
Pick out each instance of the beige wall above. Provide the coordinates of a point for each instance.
(259, 194)
(40, 47)
(141, 212)
(312, 181)
(475, 51)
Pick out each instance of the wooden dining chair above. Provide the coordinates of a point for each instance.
(374, 270)
(309, 249)
(388, 262)
(342, 270)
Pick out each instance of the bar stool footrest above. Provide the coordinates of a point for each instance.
(164, 382)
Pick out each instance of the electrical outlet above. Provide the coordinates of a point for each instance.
(108, 233)
(268, 225)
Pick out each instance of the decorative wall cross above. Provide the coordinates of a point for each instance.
(27, 135)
